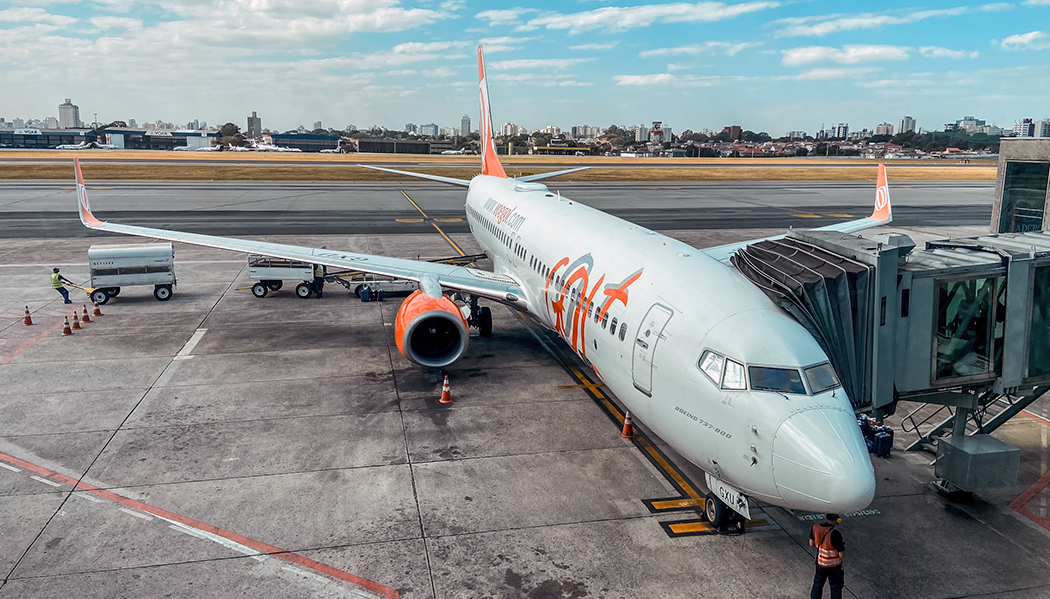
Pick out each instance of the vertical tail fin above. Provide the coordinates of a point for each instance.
(86, 216)
(490, 164)
(883, 211)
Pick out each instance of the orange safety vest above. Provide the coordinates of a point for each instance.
(827, 555)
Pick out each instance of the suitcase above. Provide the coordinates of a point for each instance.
(881, 444)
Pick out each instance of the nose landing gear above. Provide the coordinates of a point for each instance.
(724, 519)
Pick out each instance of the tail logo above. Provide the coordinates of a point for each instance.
(881, 198)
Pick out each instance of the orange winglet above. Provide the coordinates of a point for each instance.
(85, 209)
(883, 211)
(490, 164)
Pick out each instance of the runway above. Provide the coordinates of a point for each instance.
(47, 209)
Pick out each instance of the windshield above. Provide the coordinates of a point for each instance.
(783, 380)
(821, 378)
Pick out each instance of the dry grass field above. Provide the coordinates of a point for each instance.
(243, 166)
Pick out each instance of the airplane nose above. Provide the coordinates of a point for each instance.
(820, 462)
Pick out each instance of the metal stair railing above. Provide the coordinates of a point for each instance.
(926, 439)
(991, 414)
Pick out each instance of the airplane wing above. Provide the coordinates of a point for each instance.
(882, 214)
(438, 178)
(432, 277)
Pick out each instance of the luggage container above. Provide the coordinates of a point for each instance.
(116, 266)
(272, 272)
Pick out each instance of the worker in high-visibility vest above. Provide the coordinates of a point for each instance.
(830, 549)
(318, 279)
(56, 282)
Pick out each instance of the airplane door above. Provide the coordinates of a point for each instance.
(649, 334)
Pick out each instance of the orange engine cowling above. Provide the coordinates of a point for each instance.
(431, 331)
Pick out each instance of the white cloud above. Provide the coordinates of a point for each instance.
(34, 15)
(616, 18)
(823, 74)
(104, 23)
(508, 16)
(679, 66)
(826, 24)
(1033, 40)
(539, 79)
(849, 54)
(996, 7)
(644, 80)
(536, 63)
(402, 72)
(439, 72)
(503, 44)
(937, 52)
(605, 46)
(1037, 2)
(693, 49)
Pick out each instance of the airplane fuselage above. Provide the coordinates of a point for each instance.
(649, 313)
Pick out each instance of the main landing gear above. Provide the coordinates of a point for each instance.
(480, 317)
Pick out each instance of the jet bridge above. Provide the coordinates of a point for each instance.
(961, 326)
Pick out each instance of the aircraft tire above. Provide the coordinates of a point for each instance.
(485, 321)
(715, 510)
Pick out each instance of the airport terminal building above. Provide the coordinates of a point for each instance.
(142, 139)
(44, 138)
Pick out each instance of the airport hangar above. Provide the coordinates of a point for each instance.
(474, 549)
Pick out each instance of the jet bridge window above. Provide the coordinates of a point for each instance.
(1024, 196)
(782, 380)
(821, 378)
(1039, 332)
(969, 337)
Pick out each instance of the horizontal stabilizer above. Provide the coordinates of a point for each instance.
(439, 178)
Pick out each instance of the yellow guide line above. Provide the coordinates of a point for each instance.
(414, 204)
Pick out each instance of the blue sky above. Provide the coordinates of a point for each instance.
(766, 65)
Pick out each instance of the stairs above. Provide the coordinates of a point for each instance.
(993, 410)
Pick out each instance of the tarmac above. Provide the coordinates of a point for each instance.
(222, 445)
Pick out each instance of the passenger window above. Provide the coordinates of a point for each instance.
(623, 330)
(605, 320)
(612, 327)
(734, 376)
(711, 364)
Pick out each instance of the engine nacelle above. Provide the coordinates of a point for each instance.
(431, 331)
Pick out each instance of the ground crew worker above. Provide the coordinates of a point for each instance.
(830, 549)
(318, 279)
(56, 282)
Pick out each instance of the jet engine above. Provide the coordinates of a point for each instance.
(431, 331)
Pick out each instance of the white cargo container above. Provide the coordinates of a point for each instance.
(116, 266)
(272, 272)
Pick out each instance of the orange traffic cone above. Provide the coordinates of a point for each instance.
(628, 427)
(446, 393)
(76, 322)
(65, 328)
(26, 320)
(85, 318)
(96, 311)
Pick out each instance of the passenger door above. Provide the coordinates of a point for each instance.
(649, 334)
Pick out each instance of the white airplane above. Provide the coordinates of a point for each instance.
(80, 146)
(692, 348)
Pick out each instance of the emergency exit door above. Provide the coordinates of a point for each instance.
(649, 334)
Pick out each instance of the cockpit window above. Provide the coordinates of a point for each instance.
(711, 364)
(734, 376)
(784, 380)
(821, 378)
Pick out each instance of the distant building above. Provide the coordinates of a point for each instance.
(44, 138)
(410, 128)
(734, 132)
(990, 130)
(69, 115)
(255, 128)
(429, 129)
(1042, 128)
(307, 142)
(133, 124)
(841, 131)
(464, 126)
(19, 123)
(50, 123)
(795, 134)
(884, 129)
(1026, 128)
(551, 130)
(906, 125)
(969, 124)
(317, 125)
(509, 130)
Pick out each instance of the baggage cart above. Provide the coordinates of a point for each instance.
(116, 266)
(272, 272)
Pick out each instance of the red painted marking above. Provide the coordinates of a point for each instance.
(31, 342)
(1020, 504)
(259, 546)
(1036, 417)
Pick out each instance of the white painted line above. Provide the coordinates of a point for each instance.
(136, 514)
(192, 343)
(193, 532)
(45, 481)
(11, 468)
(306, 574)
(207, 536)
(183, 358)
(88, 496)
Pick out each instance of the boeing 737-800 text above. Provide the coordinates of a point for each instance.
(690, 346)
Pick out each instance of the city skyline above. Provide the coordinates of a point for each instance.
(766, 65)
